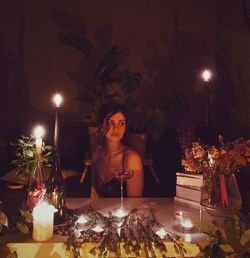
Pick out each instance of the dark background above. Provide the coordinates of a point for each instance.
(168, 42)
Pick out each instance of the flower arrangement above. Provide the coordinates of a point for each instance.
(218, 165)
(225, 159)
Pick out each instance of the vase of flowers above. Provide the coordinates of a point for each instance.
(220, 193)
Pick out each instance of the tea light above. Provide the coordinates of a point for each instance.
(187, 225)
(43, 219)
(120, 213)
(97, 229)
(161, 233)
(81, 221)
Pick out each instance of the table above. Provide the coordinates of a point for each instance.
(164, 207)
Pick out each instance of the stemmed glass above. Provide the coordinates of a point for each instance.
(122, 175)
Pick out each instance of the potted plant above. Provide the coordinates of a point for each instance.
(105, 80)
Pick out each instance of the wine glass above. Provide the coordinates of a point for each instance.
(122, 175)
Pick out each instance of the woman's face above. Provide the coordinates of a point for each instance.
(115, 127)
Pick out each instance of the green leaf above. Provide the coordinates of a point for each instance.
(29, 153)
(80, 43)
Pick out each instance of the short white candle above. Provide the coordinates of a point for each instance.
(43, 220)
(81, 220)
(161, 233)
(187, 224)
(120, 213)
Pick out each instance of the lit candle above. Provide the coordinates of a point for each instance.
(161, 233)
(80, 225)
(39, 132)
(57, 99)
(97, 229)
(43, 219)
(187, 225)
(120, 213)
(81, 221)
(180, 216)
(206, 75)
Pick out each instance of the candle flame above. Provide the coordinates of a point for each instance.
(57, 99)
(206, 75)
(161, 233)
(82, 220)
(187, 224)
(120, 213)
(97, 229)
(39, 132)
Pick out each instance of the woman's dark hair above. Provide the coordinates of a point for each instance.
(108, 110)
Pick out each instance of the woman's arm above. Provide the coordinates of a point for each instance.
(136, 182)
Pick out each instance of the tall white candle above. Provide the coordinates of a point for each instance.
(39, 132)
(43, 220)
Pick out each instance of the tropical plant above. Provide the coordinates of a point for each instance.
(104, 80)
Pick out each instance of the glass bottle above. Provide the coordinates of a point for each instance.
(37, 186)
(56, 189)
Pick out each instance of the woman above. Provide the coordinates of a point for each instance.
(114, 154)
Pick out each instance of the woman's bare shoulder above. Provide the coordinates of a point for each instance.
(133, 156)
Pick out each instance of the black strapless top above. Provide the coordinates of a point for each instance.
(113, 187)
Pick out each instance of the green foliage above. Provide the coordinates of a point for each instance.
(100, 71)
(228, 239)
(155, 123)
(25, 155)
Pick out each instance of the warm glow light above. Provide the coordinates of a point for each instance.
(57, 99)
(81, 220)
(43, 219)
(187, 224)
(180, 216)
(120, 213)
(39, 132)
(206, 75)
(161, 233)
(97, 229)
